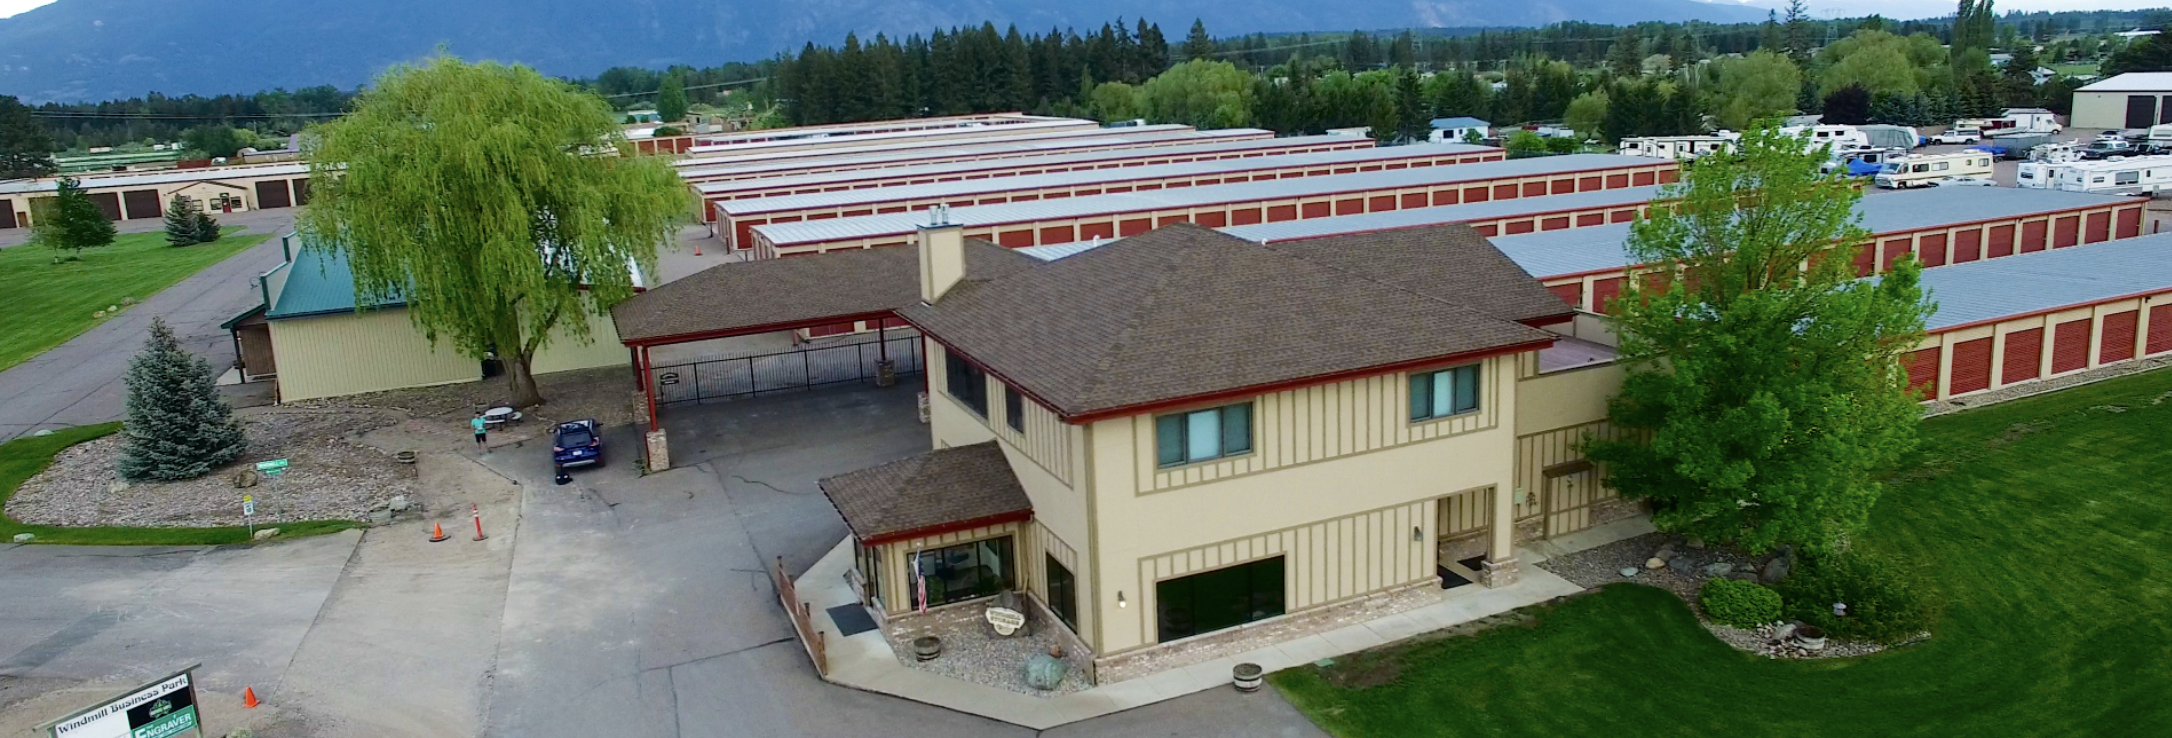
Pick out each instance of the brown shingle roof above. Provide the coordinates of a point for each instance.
(925, 492)
(799, 290)
(1185, 311)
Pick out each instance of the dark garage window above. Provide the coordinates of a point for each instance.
(1223, 598)
(967, 570)
(1062, 593)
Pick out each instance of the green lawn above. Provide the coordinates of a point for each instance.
(50, 303)
(2074, 70)
(24, 457)
(2047, 523)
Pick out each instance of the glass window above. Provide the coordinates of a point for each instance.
(1062, 593)
(1444, 393)
(1223, 598)
(871, 569)
(1014, 409)
(966, 382)
(964, 571)
(1201, 435)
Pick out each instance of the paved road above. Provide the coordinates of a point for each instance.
(79, 382)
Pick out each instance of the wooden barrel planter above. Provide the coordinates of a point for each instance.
(404, 457)
(1810, 637)
(926, 648)
(1247, 677)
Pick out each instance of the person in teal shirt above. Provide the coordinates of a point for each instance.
(482, 433)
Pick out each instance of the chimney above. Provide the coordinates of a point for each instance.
(942, 254)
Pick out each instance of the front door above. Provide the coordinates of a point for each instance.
(1571, 488)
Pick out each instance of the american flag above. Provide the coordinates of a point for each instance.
(920, 581)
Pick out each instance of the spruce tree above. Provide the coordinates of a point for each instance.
(181, 215)
(207, 227)
(178, 427)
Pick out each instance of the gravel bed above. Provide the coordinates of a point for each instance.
(606, 394)
(1685, 572)
(2026, 389)
(973, 652)
(331, 476)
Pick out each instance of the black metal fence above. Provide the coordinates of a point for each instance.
(790, 371)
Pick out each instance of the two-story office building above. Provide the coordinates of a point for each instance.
(1183, 433)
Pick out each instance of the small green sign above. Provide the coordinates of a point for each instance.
(272, 468)
(171, 724)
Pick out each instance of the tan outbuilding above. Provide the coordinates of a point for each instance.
(141, 195)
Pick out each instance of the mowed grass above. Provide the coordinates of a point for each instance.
(50, 303)
(24, 457)
(2046, 522)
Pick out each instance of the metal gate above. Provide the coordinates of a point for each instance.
(789, 371)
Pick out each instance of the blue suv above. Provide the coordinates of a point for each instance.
(577, 444)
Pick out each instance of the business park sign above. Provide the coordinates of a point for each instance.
(162, 709)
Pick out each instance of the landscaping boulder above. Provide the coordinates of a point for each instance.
(1628, 571)
(1720, 569)
(265, 534)
(25, 537)
(1045, 672)
(1655, 563)
(1775, 570)
(398, 504)
(245, 478)
(1694, 543)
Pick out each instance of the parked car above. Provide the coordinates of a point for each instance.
(577, 444)
(1964, 181)
(1958, 136)
(2102, 149)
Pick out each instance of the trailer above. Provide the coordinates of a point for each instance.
(2140, 175)
(1676, 147)
(1832, 137)
(1923, 170)
(1891, 137)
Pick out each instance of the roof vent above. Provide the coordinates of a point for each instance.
(939, 215)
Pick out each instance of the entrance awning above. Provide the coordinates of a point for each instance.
(938, 492)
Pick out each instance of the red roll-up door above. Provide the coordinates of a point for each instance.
(1314, 209)
(1923, 373)
(1349, 206)
(1617, 181)
(2160, 330)
(1134, 226)
(1169, 220)
(1967, 245)
(1016, 239)
(1971, 366)
(1534, 189)
(1564, 185)
(2099, 229)
(2032, 236)
(1211, 218)
(2070, 346)
(2117, 343)
(1447, 196)
(1504, 192)
(1572, 293)
(1246, 216)
(1588, 184)
(1058, 234)
(1090, 231)
(2130, 222)
(1866, 259)
(2067, 233)
(1626, 215)
(2002, 242)
(1555, 223)
(2024, 356)
(1379, 203)
(1932, 249)
(1413, 199)
(1604, 291)
(1585, 220)
(1644, 178)
(1520, 226)
(1894, 249)
(1279, 213)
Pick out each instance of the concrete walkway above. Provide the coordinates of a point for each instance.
(866, 661)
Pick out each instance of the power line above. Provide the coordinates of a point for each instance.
(695, 87)
(173, 116)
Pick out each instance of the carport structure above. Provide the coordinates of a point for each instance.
(745, 299)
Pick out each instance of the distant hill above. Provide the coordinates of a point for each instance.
(101, 49)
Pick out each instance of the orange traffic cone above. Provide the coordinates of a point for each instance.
(248, 697)
(437, 532)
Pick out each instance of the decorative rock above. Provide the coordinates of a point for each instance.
(1045, 672)
(1655, 563)
(1775, 570)
(380, 518)
(1694, 543)
(1664, 552)
(1628, 571)
(245, 478)
(46, 432)
(398, 504)
(1720, 569)
(926, 648)
(1246, 677)
(117, 487)
(128, 301)
(265, 534)
(25, 537)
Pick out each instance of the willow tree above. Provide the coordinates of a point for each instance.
(501, 206)
(1764, 381)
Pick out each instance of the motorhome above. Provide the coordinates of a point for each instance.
(1922, 170)
(2140, 175)
(2024, 121)
(1837, 137)
(1675, 147)
(1859, 161)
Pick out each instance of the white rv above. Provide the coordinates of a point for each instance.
(2140, 175)
(1836, 137)
(1922, 170)
(2024, 121)
(1675, 147)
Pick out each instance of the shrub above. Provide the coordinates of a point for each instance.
(1886, 601)
(1738, 603)
(667, 131)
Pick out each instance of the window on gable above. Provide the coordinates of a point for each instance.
(1203, 435)
(967, 383)
(1443, 393)
(1014, 409)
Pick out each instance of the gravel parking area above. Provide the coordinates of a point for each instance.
(331, 476)
(973, 652)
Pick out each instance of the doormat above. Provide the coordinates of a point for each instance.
(851, 620)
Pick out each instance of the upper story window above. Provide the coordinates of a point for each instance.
(1014, 409)
(1452, 391)
(1203, 435)
(967, 383)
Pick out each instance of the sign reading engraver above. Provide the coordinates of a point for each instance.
(161, 709)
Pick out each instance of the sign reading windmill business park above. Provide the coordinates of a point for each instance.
(162, 709)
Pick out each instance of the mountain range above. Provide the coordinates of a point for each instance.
(103, 49)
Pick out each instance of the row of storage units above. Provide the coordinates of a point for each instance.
(2044, 315)
(1489, 218)
(849, 130)
(1021, 224)
(727, 168)
(737, 216)
(992, 167)
(922, 136)
(141, 195)
(1941, 226)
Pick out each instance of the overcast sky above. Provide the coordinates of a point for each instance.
(11, 7)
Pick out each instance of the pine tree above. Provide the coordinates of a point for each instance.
(207, 228)
(1197, 44)
(178, 427)
(181, 215)
(671, 99)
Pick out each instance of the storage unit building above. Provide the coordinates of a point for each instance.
(952, 171)
(2131, 100)
(721, 168)
(142, 195)
(932, 135)
(1941, 226)
(735, 217)
(838, 130)
(1070, 219)
(1492, 218)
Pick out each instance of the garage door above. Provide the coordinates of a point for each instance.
(2160, 329)
(272, 193)
(2070, 346)
(1923, 373)
(2118, 341)
(7, 213)
(141, 204)
(1971, 366)
(108, 203)
(2024, 356)
(2141, 111)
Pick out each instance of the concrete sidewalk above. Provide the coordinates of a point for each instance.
(866, 661)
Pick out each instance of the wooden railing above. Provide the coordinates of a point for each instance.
(802, 618)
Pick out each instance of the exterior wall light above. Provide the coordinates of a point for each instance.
(1120, 603)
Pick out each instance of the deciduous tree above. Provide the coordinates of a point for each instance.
(671, 99)
(25, 148)
(474, 193)
(1761, 85)
(1764, 379)
(69, 221)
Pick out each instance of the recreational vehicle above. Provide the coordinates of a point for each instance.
(1675, 147)
(1836, 137)
(2140, 175)
(1921, 170)
(1860, 162)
